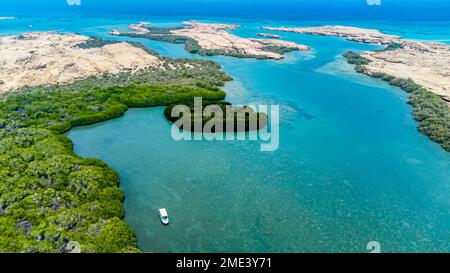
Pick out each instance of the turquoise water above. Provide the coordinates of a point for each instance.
(351, 167)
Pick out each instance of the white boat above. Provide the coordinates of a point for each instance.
(164, 216)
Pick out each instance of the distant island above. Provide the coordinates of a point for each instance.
(213, 39)
(8, 18)
(420, 68)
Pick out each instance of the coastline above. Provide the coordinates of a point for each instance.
(417, 67)
(136, 104)
(432, 113)
(44, 113)
(33, 121)
(424, 62)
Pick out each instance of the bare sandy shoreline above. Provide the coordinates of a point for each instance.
(50, 58)
(216, 38)
(44, 58)
(369, 36)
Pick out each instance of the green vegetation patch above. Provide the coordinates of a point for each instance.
(161, 30)
(393, 46)
(430, 110)
(49, 197)
(357, 60)
(94, 42)
(231, 118)
(159, 34)
(280, 49)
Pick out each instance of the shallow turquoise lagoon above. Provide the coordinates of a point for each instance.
(351, 167)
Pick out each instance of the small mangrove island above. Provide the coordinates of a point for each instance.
(216, 117)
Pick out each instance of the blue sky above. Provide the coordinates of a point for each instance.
(389, 9)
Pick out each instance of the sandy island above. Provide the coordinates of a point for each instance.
(426, 63)
(45, 58)
(216, 37)
(268, 35)
(369, 36)
(7, 18)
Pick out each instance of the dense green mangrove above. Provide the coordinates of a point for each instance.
(213, 114)
(357, 60)
(95, 42)
(430, 110)
(51, 198)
